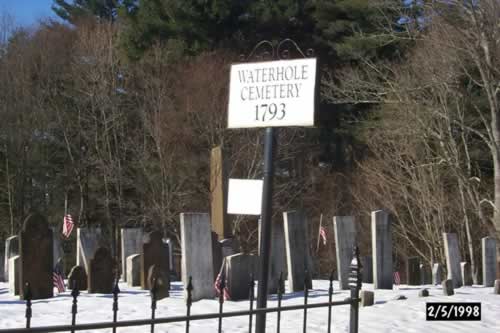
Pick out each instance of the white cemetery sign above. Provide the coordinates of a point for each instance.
(244, 196)
(272, 94)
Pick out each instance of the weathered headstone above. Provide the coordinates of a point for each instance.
(423, 293)
(14, 285)
(448, 287)
(197, 258)
(489, 254)
(382, 250)
(496, 289)
(154, 252)
(131, 241)
(413, 271)
(218, 194)
(452, 253)
(367, 264)
(466, 273)
(11, 250)
(87, 242)
(345, 239)
(101, 276)
(238, 273)
(57, 251)
(35, 250)
(77, 278)
(133, 270)
(277, 260)
(159, 278)
(425, 274)
(437, 274)
(367, 297)
(298, 259)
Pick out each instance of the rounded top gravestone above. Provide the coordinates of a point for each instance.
(101, 273)
(154, 252)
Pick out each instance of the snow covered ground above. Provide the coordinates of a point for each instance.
(387, 315)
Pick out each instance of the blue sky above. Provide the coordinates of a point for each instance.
(27, 12)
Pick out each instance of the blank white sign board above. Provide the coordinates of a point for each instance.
(244, 196)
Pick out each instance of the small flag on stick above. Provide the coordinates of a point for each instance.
(57, 279)
(67, 225)
(397, 279)
(218, 281)
(322, 233)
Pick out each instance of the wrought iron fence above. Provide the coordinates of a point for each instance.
(353, 301)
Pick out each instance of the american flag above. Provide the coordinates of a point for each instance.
(397, 278)
(322, 234)
(218, 281)
(67, 225)
(57, 279)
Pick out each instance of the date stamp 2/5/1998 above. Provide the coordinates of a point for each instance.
(453, 311)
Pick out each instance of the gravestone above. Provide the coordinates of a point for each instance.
(159, 276)
(101, 276)
(77, 278)
(452, 253)
(239, 269)
(367, 264)
(134, 270)
(11, 250)
(36, 263)
(87, 242)
(216, 253)
(154, 252)
(197, 258)
(413, 271)
(466, 273)
(448, 287)
(437, 274)
(425, 274)
(489, 255)
(218, 195)
(131, 242)
(496, 289)
(14, 285)
(277, 260)
(345, 240)
(57, 251)
(2, 268)
(367, 297)
(299, 264)
(382, 250)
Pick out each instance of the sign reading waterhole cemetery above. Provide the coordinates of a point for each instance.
(272, 94)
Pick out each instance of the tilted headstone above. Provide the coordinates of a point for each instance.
(238, 275)
(158, 277)
(134, 270)
(452, 253)
(218, 194)
(489, 254)
(367, 297)
(11, 250)
(299, 263)
(277, 260)
(345, 240)
(131, 242)
(413, 271)
(77, 278)
(197, 259)
(425, 274)
(154, 252)
(448, 287)
(216, 253)
(14, 285)
(382, 250)
(466, 273)
(87, 242)
(57, 251)
(367, 264)
(437, 274)
(35, 250)
(101, 276)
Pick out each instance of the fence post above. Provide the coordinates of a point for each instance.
(74, 308)
(116, 291)
(221, 300)
(355, 286)
(330, 295)
(153, 304)
(306, 296)
(189, 301)
(252, 287)
(28, 296)
(281, 290)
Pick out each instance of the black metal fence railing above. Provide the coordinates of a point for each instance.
(353, 301)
